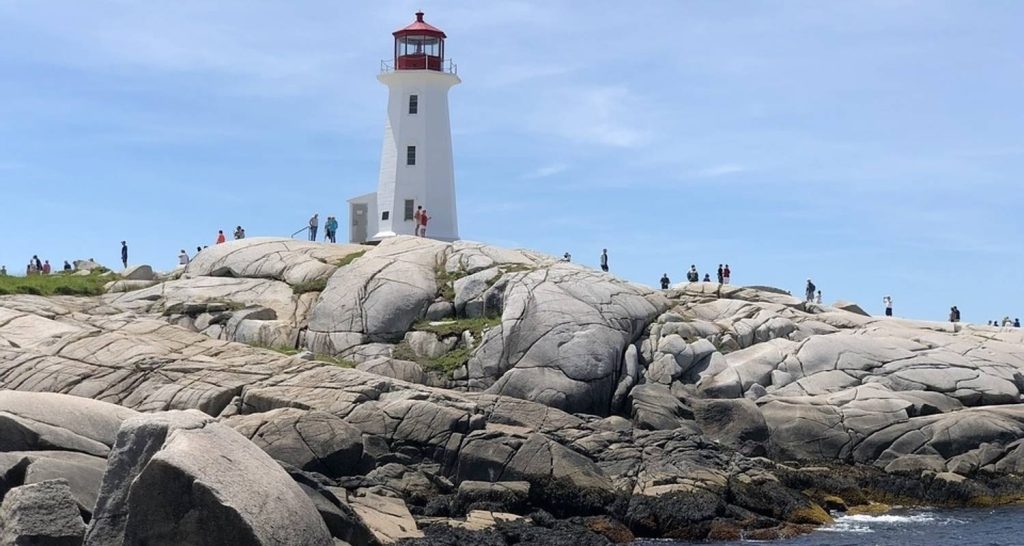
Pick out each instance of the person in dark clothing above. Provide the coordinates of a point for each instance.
(664, 281)
(124, 253)
(38, 264)
(314, 223)
(692, 274)
(810, 290)
(67, 266)
(604, 260)
(1016, 323)
(721, 274)
(707, 277)
(199, 249)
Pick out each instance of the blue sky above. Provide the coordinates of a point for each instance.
(874, 146)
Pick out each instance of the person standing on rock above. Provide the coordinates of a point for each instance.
(664, 281)
(3, 270)
(721, 274)
(1016, 321)
(183, 257)
(46, 268)
(416, 220)
(887, 301)
(423, 223)
(314, 223)
(726, 274)
(332, 229)
(124, 253)
(604, 260)
(239, 233)
(810, 291)
(220, 237)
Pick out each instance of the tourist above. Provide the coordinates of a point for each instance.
(810, 290)
(707, 277)
(314, 223)
(566, 257)
(198, 249)
(37, 263)
(1007, 321)
(423, 223)
(124, 254)
(416, 220)
(692, 274)
(183, 257)
(46, 268)
(721, 274)
(1016, 321)
(67, 267)
(30, 269)
(220, 236)
(239, 233)
(887, 301)
(726, 273)
(818, 299)
(989, 323)
(664, 281)
(604, 260)
(332, 229)
(3, 270)
(956, 314)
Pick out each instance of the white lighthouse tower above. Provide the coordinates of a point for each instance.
(416, 159)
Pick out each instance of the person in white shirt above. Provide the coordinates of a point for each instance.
(183, 258)
(888, 305)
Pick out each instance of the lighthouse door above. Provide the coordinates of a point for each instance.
(358, 214)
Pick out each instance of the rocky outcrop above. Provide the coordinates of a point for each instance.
(462, 388)
(178, 478)
(43, 513)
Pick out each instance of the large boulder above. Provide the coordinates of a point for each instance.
(562, 337)
(288, 260)
(47, 421)
(377, 297)
(43, 514)
(311, 440)
(139, 273)
(179, 477)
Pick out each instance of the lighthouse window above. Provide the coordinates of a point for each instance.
(409, 214)
(410, 155)
(414, 104)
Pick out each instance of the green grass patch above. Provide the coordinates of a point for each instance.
(446, 363)
(456, 327)
(349, 258)
(334, 360)
(446, 281)
(317, 285)
(56, 284)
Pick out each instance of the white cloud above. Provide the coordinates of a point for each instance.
(546, 171)
(720, 170)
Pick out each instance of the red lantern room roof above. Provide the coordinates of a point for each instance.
(420, 28)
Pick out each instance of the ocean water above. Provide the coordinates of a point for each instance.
(1002, 526)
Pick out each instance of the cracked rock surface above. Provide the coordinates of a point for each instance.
(583, 405)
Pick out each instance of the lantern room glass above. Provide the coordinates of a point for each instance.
(419, 52)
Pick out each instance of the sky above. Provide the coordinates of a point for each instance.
(874, 146)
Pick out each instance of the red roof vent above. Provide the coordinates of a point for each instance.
(421, 28)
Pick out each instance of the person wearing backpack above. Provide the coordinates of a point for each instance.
(810, 291)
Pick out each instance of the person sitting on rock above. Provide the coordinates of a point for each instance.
(664, 281)
(220, 236)
(707, 277)
(566, 257)
(1016, 321)
(46, 267)
(67, 266)
(692, 274)
(239, 233)
(818, 299)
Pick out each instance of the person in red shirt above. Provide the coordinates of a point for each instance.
(423, 223)
(220, 236)
(726, 273)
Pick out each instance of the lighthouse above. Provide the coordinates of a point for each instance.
(416, 167)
